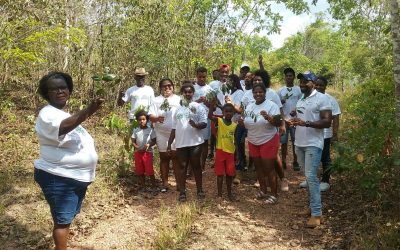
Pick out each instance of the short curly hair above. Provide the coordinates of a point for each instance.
(264, 76)
(43, 89)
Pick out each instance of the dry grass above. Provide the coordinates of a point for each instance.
(175, 225)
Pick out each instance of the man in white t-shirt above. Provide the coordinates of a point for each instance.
(140, 95)
(201, 89)
(289, 96)
(314, 113)
(244, 69)
(330, 134)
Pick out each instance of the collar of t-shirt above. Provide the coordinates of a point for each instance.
(312, 94)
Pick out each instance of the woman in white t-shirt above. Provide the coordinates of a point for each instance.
(68, 157)
(189, 120)
(261, 120)
(162, 111)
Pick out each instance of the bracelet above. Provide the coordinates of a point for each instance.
(308, 124)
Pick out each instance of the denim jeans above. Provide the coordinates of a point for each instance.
(309, 159)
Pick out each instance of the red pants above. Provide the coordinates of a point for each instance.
(144, 163)
(224, 163)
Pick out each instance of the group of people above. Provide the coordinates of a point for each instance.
(224, 113)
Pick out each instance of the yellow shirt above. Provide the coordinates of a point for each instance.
(226, 136)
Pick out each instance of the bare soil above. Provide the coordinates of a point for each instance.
(244, 224)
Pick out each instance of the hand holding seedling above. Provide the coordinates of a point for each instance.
(267, 117)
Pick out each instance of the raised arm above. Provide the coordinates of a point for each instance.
(69, 124)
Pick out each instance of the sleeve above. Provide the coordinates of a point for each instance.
(239, 97)
(202, 116)
(325, 103)
(48, 126)
(127, 95)
(153, 108)
(133, 134)
(276, 99)
(335, 107)
(274, 110)
(153, 134)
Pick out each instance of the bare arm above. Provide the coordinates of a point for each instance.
(260, 62)
(69, 124)
(335, 127)
(171, 139)
(120, 102)
(324, 122)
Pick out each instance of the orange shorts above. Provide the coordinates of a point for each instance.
(224, 163)
(268, 150)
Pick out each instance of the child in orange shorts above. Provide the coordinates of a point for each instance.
(225, 148)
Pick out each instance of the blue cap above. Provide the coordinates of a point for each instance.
(308, 75)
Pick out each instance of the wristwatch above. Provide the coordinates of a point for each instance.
(308, 124)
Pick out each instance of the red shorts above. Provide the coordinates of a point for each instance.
(144, 163)
(224, 163)
(268, 150)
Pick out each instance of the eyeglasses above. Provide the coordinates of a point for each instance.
(167, 86)
(58, 89)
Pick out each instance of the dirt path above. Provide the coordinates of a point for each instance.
(244, 224)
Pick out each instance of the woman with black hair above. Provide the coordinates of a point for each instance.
(162, 111)
(189, 120)
(68, 158)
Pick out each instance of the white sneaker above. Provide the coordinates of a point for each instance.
(284, 185)
(303, 184)
(324, 186)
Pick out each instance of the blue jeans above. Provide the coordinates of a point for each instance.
(309, 159)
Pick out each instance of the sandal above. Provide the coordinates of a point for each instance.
(182, 197)
(260, 195)
(201, 194)
(271, 200)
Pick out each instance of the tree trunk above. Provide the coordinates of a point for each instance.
(395, 26)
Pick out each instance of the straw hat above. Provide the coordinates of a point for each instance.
(141, 72)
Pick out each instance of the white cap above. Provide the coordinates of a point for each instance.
(245, 65)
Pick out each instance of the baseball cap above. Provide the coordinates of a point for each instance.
(245, 65)
(308, 75)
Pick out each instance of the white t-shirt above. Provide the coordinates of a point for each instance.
(236, 99)
(309, 109)
(142, 96)
(290, 95)
(328, 132)
(247, 97)
(72, 155)
(273, 96)
(143, 137)
(201, 91)
(269, 95)
(260, 131)
(155, 109)
(243, 84)
(214, 84)
(185, 134)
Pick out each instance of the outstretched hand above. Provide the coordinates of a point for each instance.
(96, 104)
